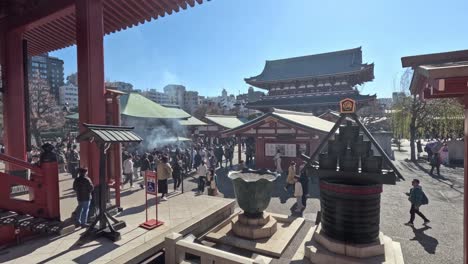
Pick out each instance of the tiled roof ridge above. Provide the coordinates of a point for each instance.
(221, 116)
(289, 112)
(346, 51)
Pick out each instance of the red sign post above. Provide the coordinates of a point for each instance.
(151, 187)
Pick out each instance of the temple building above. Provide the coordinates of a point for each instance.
(314, 83)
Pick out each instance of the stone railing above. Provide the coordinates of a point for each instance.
(176, 248)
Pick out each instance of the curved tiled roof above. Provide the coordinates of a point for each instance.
(314, 66)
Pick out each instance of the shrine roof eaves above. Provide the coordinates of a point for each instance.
(300, 119)
(50, 25)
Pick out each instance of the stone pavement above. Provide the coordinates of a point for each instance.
(181, 213)
(440, 242)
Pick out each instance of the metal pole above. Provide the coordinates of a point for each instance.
(146, 197)
(102, 187)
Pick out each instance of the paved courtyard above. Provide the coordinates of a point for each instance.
(440, 242)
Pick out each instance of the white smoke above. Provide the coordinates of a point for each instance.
(157, 134)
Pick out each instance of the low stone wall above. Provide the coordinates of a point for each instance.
(177, 247)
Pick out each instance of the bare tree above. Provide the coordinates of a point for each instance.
(45, 114)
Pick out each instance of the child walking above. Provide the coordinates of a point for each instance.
(417, 198)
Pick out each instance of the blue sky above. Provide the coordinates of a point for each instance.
(217, 44)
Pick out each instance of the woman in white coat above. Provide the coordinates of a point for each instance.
(277, 160)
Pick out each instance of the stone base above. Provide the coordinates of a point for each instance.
(254, 221)
(254, 228)
(352, 250)
(322, 249)
(273, 246)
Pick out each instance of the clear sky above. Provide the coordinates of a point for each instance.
(219, 43)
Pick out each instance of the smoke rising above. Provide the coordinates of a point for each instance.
(157, 133)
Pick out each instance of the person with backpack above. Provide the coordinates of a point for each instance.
(417, 197)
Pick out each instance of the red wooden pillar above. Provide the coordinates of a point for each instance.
(13, 97)
(91, 95)
(465, 201)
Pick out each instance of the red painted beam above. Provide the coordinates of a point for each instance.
(158, 6)
(191, 3)
(134, 13)
(116, 16)
(144, 14)
(153, 11)
(170, 4)
(45, 12)
(124, 15)
(182, 3)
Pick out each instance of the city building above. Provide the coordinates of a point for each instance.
(385, 103)
(158, 97)
(176, 94)
(68, 94)
(253, 95)
(191, 101)
(121, 86)
(48, 68)
(397, 97)
(313, 83)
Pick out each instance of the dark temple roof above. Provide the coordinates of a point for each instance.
(343, 62)
(307, 101)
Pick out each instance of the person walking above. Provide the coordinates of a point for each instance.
(164, 173)
(435, 163)
(145, 166)
(277, 160)
(202, 172)
(211, 182)
(219, 153)
(298, 193)
(291, 174)
(417, 197)
(419, 148)
(128, 171)
(304, 180)
(83, 188)
(73, 162)
(197, 160)
(177, 173)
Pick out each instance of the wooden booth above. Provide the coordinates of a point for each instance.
(291, 132)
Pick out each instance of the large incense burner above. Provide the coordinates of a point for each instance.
(253, 189)
(351, 179)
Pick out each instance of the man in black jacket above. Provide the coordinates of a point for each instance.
(83, 188)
